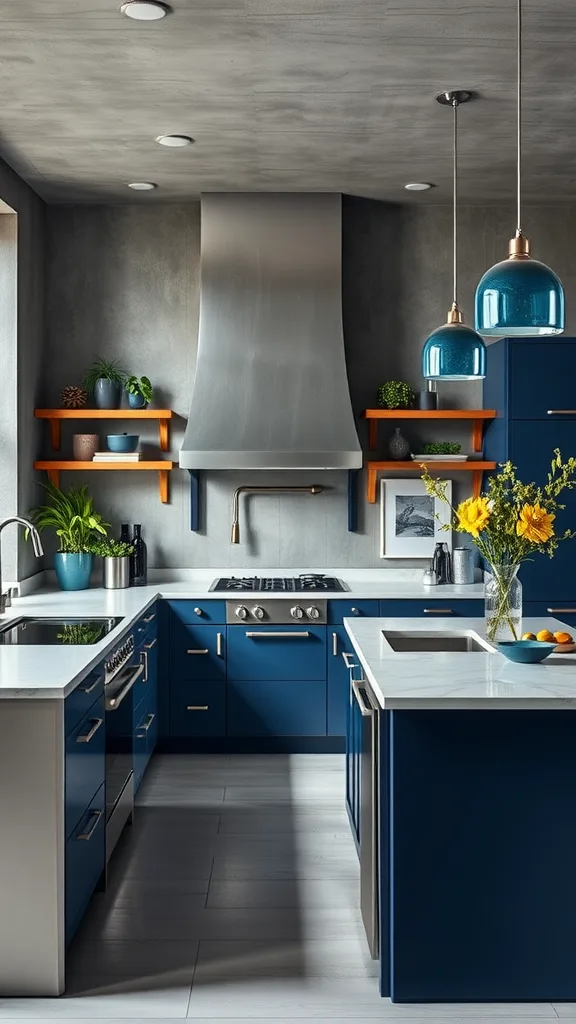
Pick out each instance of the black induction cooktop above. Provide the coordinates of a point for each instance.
(57, 632)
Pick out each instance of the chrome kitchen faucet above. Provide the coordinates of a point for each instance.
(5, 600)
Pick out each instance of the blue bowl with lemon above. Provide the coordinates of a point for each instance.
(526, 652)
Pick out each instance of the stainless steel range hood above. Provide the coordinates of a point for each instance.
(270, 390)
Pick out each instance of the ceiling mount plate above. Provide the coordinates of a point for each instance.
(458, 96)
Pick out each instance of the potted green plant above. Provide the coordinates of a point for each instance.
(139, 391)
(72, 517)
(104, 380)
(395, 394)
(442, 448)
(115, 555)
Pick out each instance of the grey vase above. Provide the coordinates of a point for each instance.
(107, 394)
(398, 446)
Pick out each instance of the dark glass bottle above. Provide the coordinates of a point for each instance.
(125, 533)
(439, 563)
(139, 560)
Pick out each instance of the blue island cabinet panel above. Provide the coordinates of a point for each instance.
(85, 860)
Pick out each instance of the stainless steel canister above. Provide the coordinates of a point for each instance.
(463, 565)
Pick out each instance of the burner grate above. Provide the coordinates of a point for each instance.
(278, 584)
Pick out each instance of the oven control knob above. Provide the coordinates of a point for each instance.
(258, 612)
(297, 612)
(313, 612)
(241, 612)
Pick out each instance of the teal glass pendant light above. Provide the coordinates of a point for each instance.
(454, 351)
(519, 296)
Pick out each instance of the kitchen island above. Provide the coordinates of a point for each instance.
(475, 823)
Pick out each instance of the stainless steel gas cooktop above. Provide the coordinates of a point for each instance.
(279, 584)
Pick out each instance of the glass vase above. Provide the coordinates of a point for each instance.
(503, 603)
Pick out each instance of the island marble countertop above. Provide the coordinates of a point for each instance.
(445, 681)
(54, 671)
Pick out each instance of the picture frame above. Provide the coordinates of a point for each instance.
(411, 520)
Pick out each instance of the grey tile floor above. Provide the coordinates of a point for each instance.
(235, 898)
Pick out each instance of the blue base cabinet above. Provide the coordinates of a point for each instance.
(85, 860)
(276, 707)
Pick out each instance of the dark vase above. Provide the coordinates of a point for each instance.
(398, 446)
(73, 570)
(139, 560)
(137, 401)
(107, 394)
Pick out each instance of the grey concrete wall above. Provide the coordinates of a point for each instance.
(123, 282)
(25, 350)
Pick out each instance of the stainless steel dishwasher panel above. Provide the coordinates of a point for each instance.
(369, 814)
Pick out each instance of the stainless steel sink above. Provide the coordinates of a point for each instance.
(435, 641)
(57, 632)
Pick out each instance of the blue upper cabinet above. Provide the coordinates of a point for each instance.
(531, 385)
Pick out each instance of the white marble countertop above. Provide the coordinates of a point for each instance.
(53, 672)
(459, 681)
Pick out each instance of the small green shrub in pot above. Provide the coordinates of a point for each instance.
(139, 391)
(115, 555)
(442, 448)
(395, 394)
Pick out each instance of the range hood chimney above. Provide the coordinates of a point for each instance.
(270, 390)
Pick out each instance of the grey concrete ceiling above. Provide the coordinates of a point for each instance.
(330, 95)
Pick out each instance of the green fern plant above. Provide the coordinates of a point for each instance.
(103, 369)
(72, 516)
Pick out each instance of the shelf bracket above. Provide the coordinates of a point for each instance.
(54, 477)
(194, 499)
(372, 481)
(55, 434)
(163, 486)
(163, 431)
(477, 483)
(477, 435)
(353, 500)
(372, 434)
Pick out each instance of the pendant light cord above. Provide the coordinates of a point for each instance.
(455, 202)
(519, 117)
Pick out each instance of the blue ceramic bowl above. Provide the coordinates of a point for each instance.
(122, 442)
(526, 652)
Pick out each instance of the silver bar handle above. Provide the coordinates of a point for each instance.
(358, 690)
(197, 707)
(114, 702)
(438, 611)
(92, 732)
(144, 654)
(88, 689)
(150, 618)
(335, 644)
(348, 660)
(151, 644)
(556, 611)
(95, 815)
(296, 635)
(203, 651)
(219, 640)
(561, 412)
(144, 728)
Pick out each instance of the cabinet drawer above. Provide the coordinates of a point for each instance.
(145, 734)
(277, 652)
(198, 708)
(148, 653)
(564, 611)
(264, 707)
(533, 391)
(340, 610)
(432, 608)
(82, 698)
(85, 763)
(146, 625)
(197, 652)
(85, 860)
(189, 612)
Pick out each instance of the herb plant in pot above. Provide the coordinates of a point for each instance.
(115, 555)
(105, 380)
(72, 517)
(395, 394)
(139, 390)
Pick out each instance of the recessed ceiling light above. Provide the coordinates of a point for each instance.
(418, 186)
(144, 10)
(142, 186)
(175, 141)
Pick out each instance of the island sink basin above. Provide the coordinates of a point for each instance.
(57, 632)
(413, 643)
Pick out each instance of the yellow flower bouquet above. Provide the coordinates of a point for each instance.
(509, 523)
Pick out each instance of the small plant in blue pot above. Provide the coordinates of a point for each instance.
(105, 380)
(139, 390)
(78, 527)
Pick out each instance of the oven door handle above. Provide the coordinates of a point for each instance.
(112, 703)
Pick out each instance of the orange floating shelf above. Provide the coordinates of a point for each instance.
(55, 416)
(471, 466)
(478, 417)
(54, 467)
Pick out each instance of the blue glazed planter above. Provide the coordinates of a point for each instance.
(107, 394)
(73, 570)
(136, 401)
